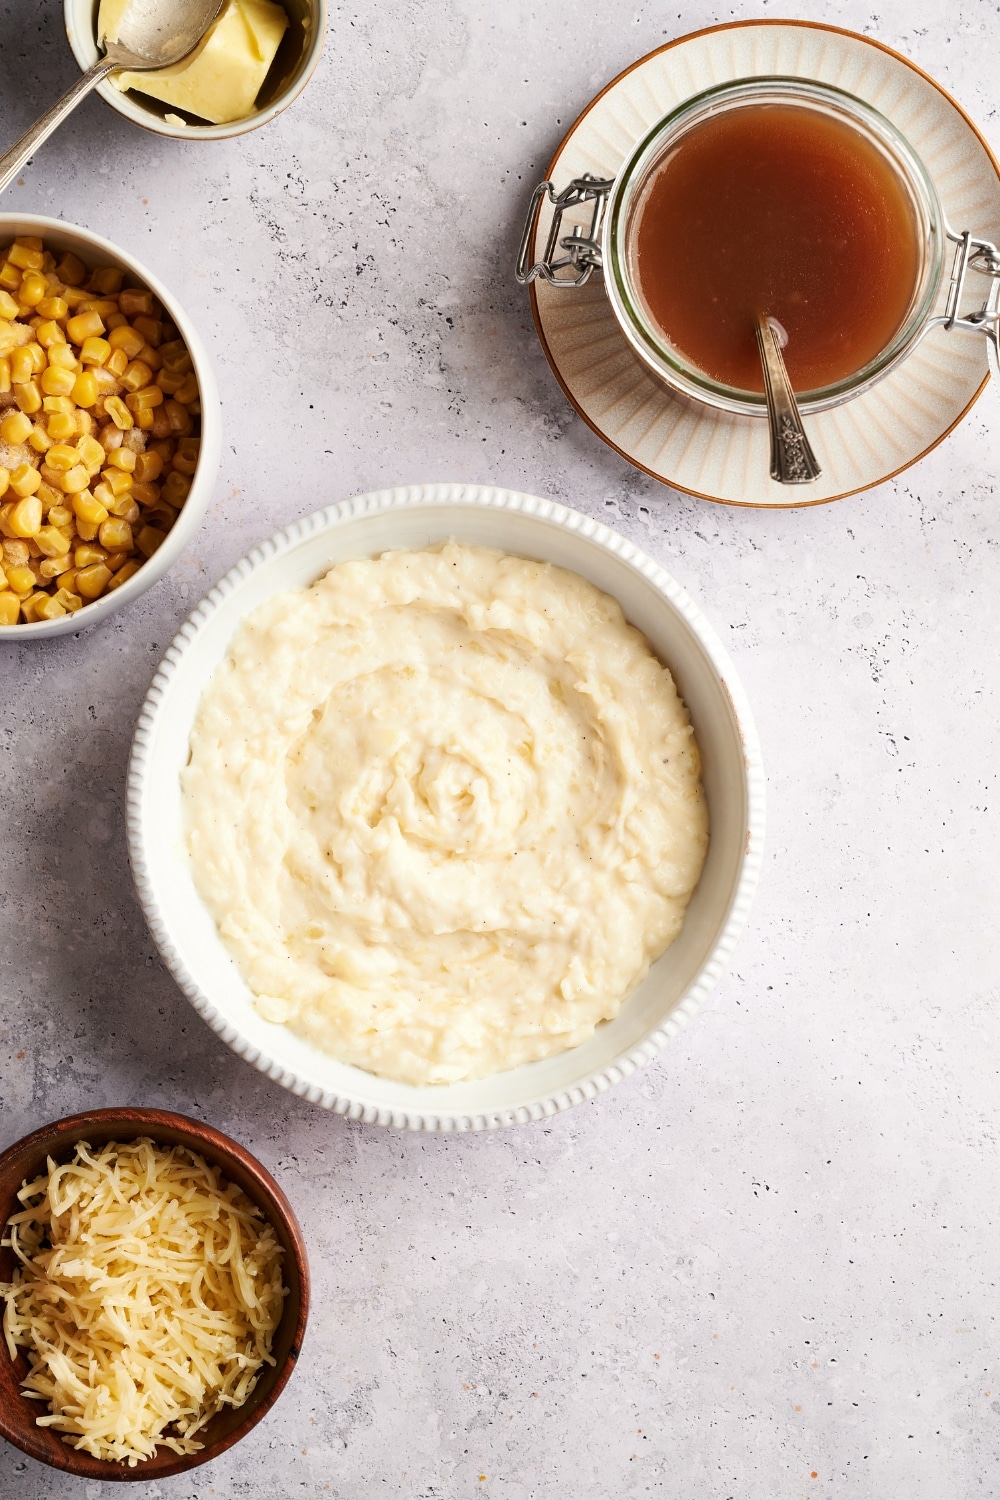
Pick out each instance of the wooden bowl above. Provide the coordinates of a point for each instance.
(26, 1159)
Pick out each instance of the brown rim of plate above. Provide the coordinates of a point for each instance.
(26, 1157)
(667, 47)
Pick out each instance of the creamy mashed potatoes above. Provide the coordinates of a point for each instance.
(445, 808)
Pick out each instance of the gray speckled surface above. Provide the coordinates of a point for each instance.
(767, 1266)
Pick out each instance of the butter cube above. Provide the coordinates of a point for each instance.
(222, 77)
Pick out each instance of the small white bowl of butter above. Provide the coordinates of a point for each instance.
(520, 526)
(254, 61)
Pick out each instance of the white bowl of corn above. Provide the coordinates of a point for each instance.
(109, 428)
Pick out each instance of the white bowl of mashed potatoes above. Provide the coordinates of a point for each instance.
(415, 816)
(254, 61)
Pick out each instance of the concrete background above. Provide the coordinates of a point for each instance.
(768, 1265)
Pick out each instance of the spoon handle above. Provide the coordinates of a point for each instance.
(792, 459)
(23, 149)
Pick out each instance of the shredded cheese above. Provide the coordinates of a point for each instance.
(147, 1297)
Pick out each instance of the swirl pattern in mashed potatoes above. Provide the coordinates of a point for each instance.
(445, 807)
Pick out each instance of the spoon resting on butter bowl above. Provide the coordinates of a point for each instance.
(151, 34)
(792, 458)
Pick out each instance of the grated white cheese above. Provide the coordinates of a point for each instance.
(147, 1297)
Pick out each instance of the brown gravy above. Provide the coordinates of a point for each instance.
(781, 211)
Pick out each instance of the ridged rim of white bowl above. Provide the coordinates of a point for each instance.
(356, 1108)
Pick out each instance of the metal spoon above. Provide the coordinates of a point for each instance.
(152, 34)
(792, 459)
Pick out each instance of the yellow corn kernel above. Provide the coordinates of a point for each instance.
(178, 417)
(39, 439)
(84, 325)
(5, 511)
(57, 382)
(117, 362)
(127, 571)
(32, 289)
(169, 384)
(73, 296)
(28, 607)
(145, 494)
(91, 453)
(26, 516)
(59, 403)
(62, 425)
(21, 580)
(85, 424)
(49, 608)
(53, 307)
(26, 255)
(107, 381)
(10, 276)
(136, 375)
(59, 515)
(107, 280)
(102, 306)
(116, 535)
(62, 458)
(15, 427)
(87, 553)
(110, 437)
(119, 481)
(149, 539)
(52, 541)
(28, 397)
(95, 351)
(10, 608)
(188, 391)
(176, 488)
(61, 357)
(49, 333)
(53, 567)
(91, 581)
(8, 305)
(120, 461)
(87, 507)
(69, 601)
(4, 375)
(48, 494)
(119, 505)
(24, 480)
(145, 418)
(161, 424)
(86, 530)
(126, 339)
(71, 270)
(118, 412)
(150, 328)
(39, 357)
(4, 480)
(74, 480)
(116, 320)
(85, 391)
(148, 467)
(135, 300)
(146, 398)
(22, 366)
(186, 456)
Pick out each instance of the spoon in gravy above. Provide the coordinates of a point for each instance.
(792, 458)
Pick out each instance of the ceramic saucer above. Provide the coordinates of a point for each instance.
(723, 457)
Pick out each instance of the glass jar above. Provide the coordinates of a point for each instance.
(594, 223)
